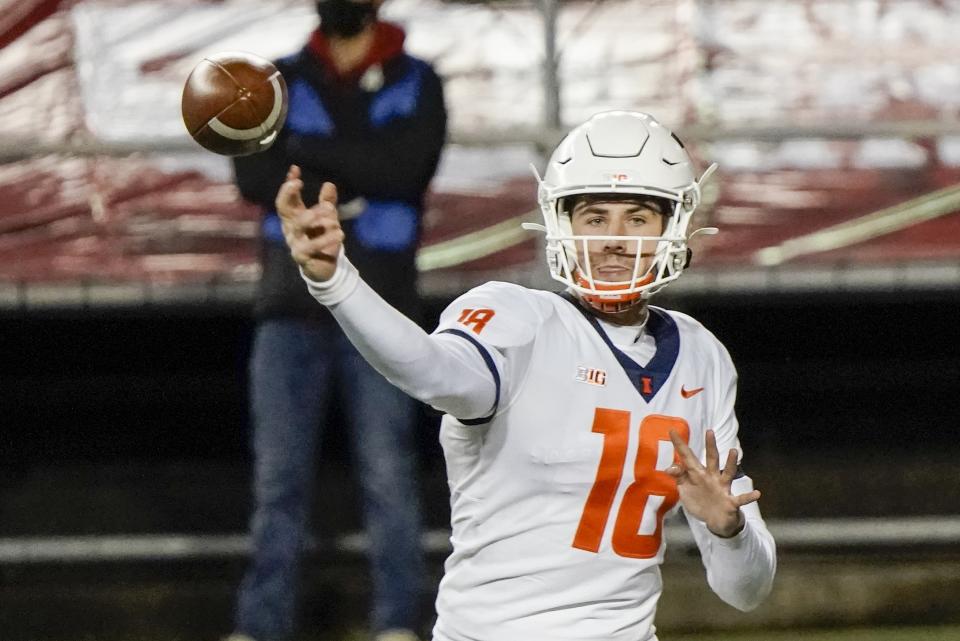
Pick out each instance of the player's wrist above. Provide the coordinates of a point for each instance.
(318, 271)
(338, 287)
(731, 527)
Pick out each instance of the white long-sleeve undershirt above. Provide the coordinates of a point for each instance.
(441, 370)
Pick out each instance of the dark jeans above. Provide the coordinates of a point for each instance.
(295, 368)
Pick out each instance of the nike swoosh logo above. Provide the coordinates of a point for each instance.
(689, 393)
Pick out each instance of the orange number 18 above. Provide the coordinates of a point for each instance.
(652, 493)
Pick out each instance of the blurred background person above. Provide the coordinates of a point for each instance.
(371, 118)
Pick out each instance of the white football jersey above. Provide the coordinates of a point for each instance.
(558, 499)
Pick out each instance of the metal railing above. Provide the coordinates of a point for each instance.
(545, 138)
(817, 534)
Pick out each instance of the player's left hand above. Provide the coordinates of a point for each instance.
(705, 490)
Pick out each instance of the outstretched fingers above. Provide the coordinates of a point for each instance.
(713, 455)
(746, 499)
(685, 460)
(686, 456)
(328, 193)
(289, 199)
(730, 468)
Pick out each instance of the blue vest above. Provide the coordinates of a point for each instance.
(385, 225)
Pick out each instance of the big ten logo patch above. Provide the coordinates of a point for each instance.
(476, 319)
(591, 375)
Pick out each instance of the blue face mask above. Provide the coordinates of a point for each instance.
(343, 18)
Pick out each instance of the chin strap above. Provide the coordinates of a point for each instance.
(621, 302)
(612, 308)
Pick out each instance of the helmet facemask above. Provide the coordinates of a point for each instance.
(652, 260)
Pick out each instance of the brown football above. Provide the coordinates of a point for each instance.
(234, 103)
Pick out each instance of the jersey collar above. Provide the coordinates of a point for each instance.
(649, 379)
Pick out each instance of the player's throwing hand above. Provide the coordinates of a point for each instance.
(312, 233)
(705, 491)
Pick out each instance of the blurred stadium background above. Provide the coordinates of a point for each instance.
(127, 264)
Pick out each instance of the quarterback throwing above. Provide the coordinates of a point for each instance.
(575, 421)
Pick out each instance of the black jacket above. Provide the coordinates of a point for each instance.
(378, 138)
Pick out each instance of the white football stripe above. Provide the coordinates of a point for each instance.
(266, 142)
(254, 132)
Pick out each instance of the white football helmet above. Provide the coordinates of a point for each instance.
(619, 153)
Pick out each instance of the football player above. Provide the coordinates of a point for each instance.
(575, 422)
